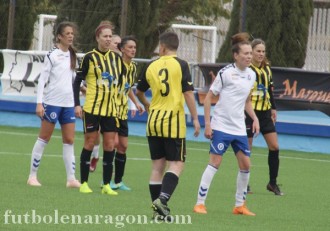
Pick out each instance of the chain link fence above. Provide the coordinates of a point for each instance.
(318, 46)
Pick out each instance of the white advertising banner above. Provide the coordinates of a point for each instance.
(21, 72)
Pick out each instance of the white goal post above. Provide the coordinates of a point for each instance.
(210, 55)
(41, 27)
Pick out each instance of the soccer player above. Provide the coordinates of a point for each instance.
(102, 69)
(114, 42)
(265, 109)
(233, 83)
(128, 50)
(55, 102)
(170, 82)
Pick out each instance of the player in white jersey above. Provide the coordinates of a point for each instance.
(55, 103)
(55, 81)
(233, 83)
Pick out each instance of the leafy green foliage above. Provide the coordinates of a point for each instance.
(282, 24)
(26, 14)
(146, 19)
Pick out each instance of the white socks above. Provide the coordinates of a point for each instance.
(242, 183)
(69, 161)
(95, 152)
(205, 183)
(37, 152)
(241, 191)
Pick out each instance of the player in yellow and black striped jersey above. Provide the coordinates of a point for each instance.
(124, 90)
(102, 70)
(171, 86)
(102, 74)
(128, 49)
(265, 109)
(262, 96)
(167, 77)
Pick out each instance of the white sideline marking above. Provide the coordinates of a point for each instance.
(57, 155)
(141, 144)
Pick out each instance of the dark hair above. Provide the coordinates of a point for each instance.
(59, 29)
(239, 39)
(170, 40)
(125, 39)
(103, 25)
(256, 42)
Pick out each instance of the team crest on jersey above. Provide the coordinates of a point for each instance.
(53, 115)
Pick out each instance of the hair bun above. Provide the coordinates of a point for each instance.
(240, 37)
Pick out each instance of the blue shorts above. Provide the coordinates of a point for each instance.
(63, 115)
(221, 141)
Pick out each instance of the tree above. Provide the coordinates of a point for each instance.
(225, 50)
(282, 24)
(26, 14)
(87, 14)
(146, 18)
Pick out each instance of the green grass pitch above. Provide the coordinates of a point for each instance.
(304, 178)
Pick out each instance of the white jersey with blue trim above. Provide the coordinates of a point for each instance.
(234, 87)
(56, 79)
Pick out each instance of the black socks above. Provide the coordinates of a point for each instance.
(85, 158)
(120, 162)
(273, 163)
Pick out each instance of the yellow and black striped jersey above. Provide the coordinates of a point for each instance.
(262, 96)
(123, 89)
(102, 73)
(168, 78)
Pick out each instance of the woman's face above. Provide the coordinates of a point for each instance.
(244, 56)
(129, 49)
(258, 53)
(104, 39)
(66, 37)
(114, 43)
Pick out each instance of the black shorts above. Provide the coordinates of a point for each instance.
(265, 121)
(123, 128)
(93, 123)
(168, 148)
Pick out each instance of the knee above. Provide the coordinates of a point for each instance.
(274, 148)
(215, 161)
(121, 148)
(68, 140)
(89, 144)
